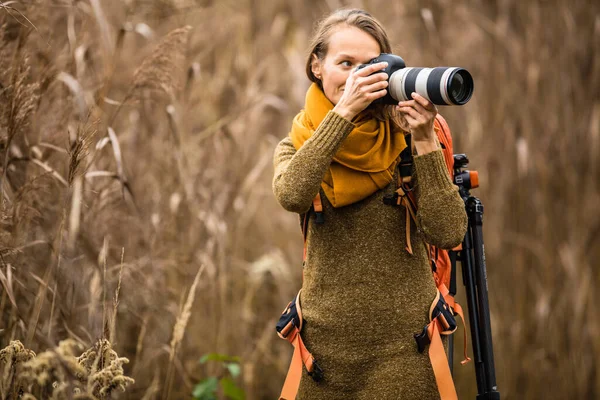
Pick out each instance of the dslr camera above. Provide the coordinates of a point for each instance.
(441, 85)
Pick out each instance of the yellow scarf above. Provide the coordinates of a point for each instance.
(366, 159)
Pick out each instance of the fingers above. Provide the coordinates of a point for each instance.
(363, 86)
(368, 70)
(369, 85)
(375, 86)
(376, 95)
(419, 108)
(411, 121)
(420, 115)
(373, 78)
(422, 101)
(416, 106)
(375, 91)
(411, 112)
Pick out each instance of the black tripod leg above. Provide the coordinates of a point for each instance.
(452, 290)
(467, 264)
(475, 214)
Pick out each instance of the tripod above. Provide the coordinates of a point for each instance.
(472, 260)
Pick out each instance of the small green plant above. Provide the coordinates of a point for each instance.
(208, 388)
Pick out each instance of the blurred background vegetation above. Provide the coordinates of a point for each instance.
(136, 142)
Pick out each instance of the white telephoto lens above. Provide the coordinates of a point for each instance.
(421, 82)
(398, 83)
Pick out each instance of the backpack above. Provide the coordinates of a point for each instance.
(443, 308)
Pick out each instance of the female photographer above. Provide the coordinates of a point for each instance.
(364, 293)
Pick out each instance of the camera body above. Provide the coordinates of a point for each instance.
(440, 85)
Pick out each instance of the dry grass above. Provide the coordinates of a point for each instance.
(150, 126)
(59, 374)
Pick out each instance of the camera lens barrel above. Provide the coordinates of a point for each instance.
(440, 85)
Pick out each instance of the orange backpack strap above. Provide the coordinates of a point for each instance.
(288, 328)
(439, 363)
(457, 310)
(442, 322)
(301, 357)
(318, 208)
(403, 197)
(404, 194)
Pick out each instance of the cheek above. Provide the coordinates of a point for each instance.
(336, 81)
(340, 77)
(332, 91)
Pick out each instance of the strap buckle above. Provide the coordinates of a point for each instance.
(317, 372)
(422, 339)
(390, 199)
(440, 313)
(319, 217)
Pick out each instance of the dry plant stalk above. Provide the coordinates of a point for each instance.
(79, 150)
(179, 329)
(163, 70)
(113, 324)
(19, 101)
(183, 318)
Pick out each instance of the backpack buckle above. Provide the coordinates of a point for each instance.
(390, 199)
(319, 217)
(317, 372)
(445, 315)
(290, 318)
(422, 339)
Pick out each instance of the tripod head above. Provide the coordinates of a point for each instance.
(464, 179)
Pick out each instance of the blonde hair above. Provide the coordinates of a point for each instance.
(354, 17)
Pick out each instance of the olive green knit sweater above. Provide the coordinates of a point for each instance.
(363, 295)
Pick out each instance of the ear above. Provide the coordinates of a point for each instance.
(315, 66)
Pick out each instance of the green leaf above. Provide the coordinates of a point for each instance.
(231, 390)
(218, 357)
(234, 369)
(206, 389)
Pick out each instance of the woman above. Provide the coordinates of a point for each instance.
(364, 295)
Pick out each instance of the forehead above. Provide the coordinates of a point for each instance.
(353, 42)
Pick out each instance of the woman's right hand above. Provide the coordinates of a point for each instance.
(361, 89)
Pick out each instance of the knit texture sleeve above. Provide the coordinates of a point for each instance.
(298, 173)
(441, 214)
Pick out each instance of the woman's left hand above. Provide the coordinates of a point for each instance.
(420, 114)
